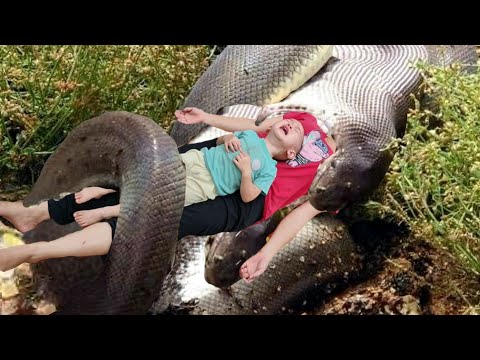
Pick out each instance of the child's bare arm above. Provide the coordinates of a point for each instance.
(194, 115)
(239, 124)
(248, 190)
(283, 234)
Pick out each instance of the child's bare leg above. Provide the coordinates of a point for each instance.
(89, 217)
(24, 218)
(93, 240)
(89, 193)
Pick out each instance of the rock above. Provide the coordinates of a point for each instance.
(9, 307)
(23, 270)
(8, 237)
(45, 308)
(409, 306)
(8, 288)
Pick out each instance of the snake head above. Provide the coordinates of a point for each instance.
(353, 172)
(228, 251)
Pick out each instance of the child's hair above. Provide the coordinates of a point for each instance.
(298, 146)
(284, 156)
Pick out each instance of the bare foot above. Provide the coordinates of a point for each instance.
(89, 193)
(21, 217)
(88, 217)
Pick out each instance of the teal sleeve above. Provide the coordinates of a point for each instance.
(264, 179)
(247, 134)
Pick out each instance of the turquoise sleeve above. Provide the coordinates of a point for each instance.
(264, 179)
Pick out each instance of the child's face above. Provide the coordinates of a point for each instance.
(289, 134)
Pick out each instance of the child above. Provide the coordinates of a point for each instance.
(240, 161)
(96, 239)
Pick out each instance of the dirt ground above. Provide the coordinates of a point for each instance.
(415, 279)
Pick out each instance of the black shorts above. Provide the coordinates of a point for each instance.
(222, 214)
(61, 211)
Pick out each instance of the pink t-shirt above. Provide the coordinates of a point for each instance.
(294, 177)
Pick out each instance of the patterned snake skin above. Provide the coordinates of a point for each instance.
(319, 258)
(251, 74)
(361, 96)
(136, 161)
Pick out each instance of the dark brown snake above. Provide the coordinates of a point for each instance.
(361, 96)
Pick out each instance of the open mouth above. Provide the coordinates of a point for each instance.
(285, 129)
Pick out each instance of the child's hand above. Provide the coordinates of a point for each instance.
(232, 142)
(190, 115)
(254, 267)
(243, 162)
(262, 117)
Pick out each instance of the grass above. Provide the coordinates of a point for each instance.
(434, 181)
(46, 91)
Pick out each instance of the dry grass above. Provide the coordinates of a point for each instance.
(45, 91)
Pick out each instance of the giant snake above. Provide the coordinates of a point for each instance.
(361, 96)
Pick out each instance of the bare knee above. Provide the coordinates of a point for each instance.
(101, 238)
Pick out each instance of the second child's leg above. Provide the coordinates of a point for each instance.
(24, 218)
(93, 240)
(89, 217)
(62, 211)
(92, 192)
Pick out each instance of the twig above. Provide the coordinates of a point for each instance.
(212, 52)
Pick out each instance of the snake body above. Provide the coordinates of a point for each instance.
(361, 96)
(322, 257)
(132, 153)
(251, 74)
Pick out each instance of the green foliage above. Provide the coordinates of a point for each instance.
(434, 182)
(46, 91)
